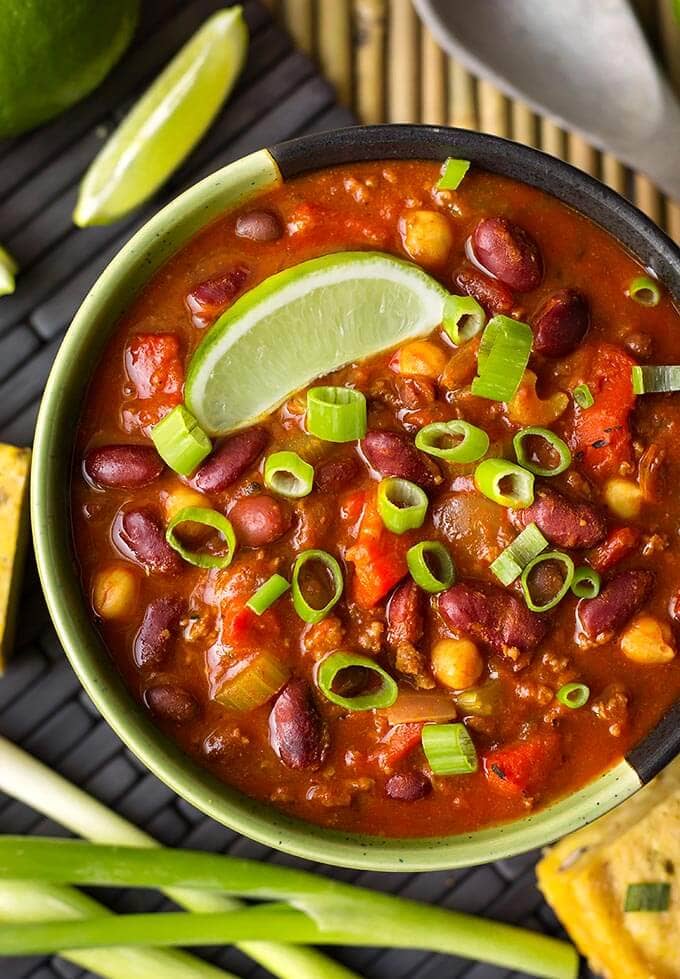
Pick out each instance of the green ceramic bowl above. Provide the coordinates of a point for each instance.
(128, 272)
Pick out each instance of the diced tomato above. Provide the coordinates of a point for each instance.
(601, 438)
(617, 546)
(522, 767)
(379, 557)
(154, 366)
(399, 741)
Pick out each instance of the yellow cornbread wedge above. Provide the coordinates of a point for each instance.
(585, 878)
(14, 468)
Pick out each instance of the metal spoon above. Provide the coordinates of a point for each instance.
(584, 62)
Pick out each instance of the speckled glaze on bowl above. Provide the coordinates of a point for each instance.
(160, 238)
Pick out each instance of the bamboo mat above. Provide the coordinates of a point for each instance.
(387, 67)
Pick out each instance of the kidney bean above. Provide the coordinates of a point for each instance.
(259, 226)
(158, 629)
(336, 474)
(142, 534)
(259, 520)
(231, 459)
(565, 523)
(508, 252)
(392, 454)
(561, 323)
(602, 617)
(171, 703)
(492, 295)
(123, 466)
(406, 614)
(296, 731)
(407, 786)
(492, 615)
(206, 301)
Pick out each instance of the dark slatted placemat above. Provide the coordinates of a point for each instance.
(41, 704)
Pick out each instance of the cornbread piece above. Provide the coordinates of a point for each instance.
(14, 468)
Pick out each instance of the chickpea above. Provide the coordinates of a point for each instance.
(456, 663)
(114, 591)
(421, 358)
(647, 641)
(623, 497)
(426, 236)
(179, 498)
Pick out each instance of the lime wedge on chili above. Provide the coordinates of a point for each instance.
(166, 123)
(303, 323)
(8, 269)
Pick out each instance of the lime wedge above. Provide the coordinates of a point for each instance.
(302, 323)
(8, 269)
(166, 123)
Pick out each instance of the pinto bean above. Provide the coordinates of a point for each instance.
(565, 523)
(296, 731)
(259, 226)
(392, 454)
(407, 786)
(406, 614)
(508, 252)
(158, 629)
(123, 466)
(561, 323)
(259, 520)
(490, 614)
(141, 533)
(171, 703)
(492, 295)
(600, 618)
(231, 459)
(336, 474)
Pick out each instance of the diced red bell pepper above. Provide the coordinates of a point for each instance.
(154, 366)
(400, 740)
(379, 557)
(617, 546)
(522, 767)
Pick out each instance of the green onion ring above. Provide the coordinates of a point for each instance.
(645, 291)
(268, 593)
(306, 611)
(420, 568)
(463, 318)
(452, 173)
(655, 379)
(473, 444)
(180, 441)
(555, 443)
(573, 695)
(586, 583)
(209, 518)
(650, 895)
(583, 396)
(526, 546)
(449, 749)
(502, 358)
(491, 472)
(328, 669)
(288, 475)
(565, 560)
(402, 505)
(336, 414)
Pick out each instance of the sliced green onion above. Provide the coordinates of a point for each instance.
(526, 546)
(463, 318)
(307, 612)
(656, 380)
(568, 564)
(420, 559)
(449, 749)
(502, 358)
(489, 476)
(652, 896)
(453, 172)
(252, 682)
(328, 669)
(401, 504)
(573, 695)
(471, 445)
(481, 701)
(209, 518)
(645, 291)
(583, 396)
(268, 593)
(180, 441)
(555, 443)
(336, 414)
(586, 583)
(288, 475)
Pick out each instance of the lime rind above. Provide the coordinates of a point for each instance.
(301, 324)
(8, 270)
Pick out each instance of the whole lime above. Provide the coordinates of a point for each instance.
(55, 52)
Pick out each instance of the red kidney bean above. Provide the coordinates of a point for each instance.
(171, 703)
(231, 459)
(492, 295)
(492, 615)
(259, 226)
(408, 786)
(602, 617)
(206, 301)
(565, 523)
(508, 252)
(561, 323)
(392, 454)
(336, 474)
(259, 520)
(296, 731)
(142, 534)
(123, 466)
(406, 614)
(159, 627)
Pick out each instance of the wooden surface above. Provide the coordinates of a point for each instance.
(387, 67)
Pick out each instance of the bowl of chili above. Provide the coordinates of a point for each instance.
(346, 628)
